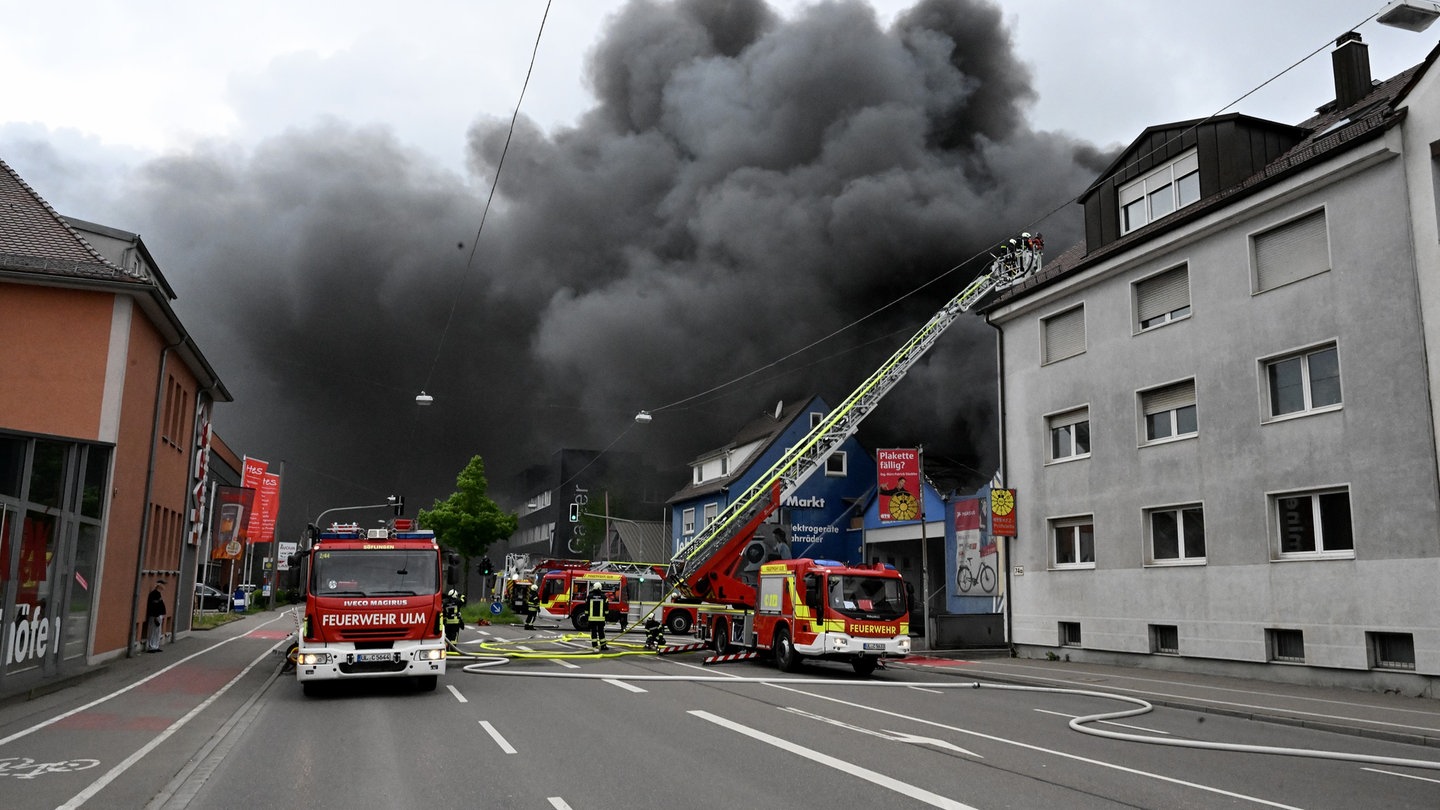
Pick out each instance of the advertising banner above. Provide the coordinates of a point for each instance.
(898, 479)
(267, 509)
(230, 522)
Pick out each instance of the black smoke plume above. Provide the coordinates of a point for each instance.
(743, 185)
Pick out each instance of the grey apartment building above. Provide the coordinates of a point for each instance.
(1219, 411)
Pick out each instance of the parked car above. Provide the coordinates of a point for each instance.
(208, 598)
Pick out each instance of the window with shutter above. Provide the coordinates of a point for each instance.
(1163, 298)
(1064, 335)
(1298, 249)
(1169, 412)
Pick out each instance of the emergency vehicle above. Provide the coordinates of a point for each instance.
(563, 593)
(814, 608)
(373, 605)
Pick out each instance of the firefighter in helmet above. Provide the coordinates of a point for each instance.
(596, 614)
(451, 603)
(532, 606)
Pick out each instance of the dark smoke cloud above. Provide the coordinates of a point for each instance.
(743, 185)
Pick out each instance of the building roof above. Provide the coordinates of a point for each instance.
(643, 541)
(765, 429)
(38, 246)
(36, 239)
(1331, 131)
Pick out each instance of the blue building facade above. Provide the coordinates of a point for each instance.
(823, 520)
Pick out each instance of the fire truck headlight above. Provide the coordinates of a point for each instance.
(430, 655)
(905, 644)
(309, 659)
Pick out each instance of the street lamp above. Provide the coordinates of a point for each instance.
(643, 418)
(1410, 15)
(424, 399)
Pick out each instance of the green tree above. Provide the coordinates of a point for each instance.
(589, 546)
(469, 521)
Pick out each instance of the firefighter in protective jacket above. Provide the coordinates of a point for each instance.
(452, 602)
(532, 606)
(596, 614)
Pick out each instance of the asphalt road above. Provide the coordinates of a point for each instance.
(220, 729)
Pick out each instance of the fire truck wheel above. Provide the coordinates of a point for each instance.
(579, 620)
(722, 637)
(785, 656)
(678, 623)
(426, 683)
(865, 666)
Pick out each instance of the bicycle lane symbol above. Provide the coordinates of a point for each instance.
(27, 768)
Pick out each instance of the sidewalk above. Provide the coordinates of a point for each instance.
(1399, 718)
(32, 684)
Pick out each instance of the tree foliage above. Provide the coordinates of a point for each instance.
(469, 521)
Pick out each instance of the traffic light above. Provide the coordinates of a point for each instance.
(574, 513)
(398, 503)
(485, 567)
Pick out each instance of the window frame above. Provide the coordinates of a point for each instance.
(1146, 406)
(1045, 335)
(1307, 382)
(842, 470)
(1276, 637)
(1145, 189)
(1258, 274)
(1183, 557)
(1160, 635)
(1060, 419)
(1151, 283)
(1379, 642)
(687, 520)
(710, 511)
(1057, 526)
(1317, 516)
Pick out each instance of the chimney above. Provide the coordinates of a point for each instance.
(1351, 60)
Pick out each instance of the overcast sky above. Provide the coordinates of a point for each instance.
(696, 190)
(120, 81)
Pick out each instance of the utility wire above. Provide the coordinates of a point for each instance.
(1031, 226)
(485, 213)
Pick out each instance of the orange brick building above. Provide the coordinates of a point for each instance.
(105, 409)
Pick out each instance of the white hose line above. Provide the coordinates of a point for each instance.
(1080, 724)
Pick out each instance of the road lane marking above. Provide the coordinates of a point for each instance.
(118, 692)
(623, 685)
(884, 734)
(1107, 722)
(888, 782)
(1403, 775)
(558, 803)
(456, 693)
(125, 764)
(1041, 749)
(495, 735)
(566, 664)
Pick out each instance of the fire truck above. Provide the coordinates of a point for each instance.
(796, 609)
(563, 592)
(373, 605)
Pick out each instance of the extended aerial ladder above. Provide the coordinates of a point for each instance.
(704, 568)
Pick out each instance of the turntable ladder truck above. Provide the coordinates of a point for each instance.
(816, 608)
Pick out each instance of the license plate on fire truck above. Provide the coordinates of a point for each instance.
(874, 645)
(374, 656)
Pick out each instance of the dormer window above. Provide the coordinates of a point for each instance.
(1163, 191)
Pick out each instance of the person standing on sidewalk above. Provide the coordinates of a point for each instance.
(155, 618)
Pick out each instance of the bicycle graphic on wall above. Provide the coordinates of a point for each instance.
(985, 576)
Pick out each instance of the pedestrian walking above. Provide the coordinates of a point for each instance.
(155, 617)
(596, 614)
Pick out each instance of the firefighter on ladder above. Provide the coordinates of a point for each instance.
(595, 606)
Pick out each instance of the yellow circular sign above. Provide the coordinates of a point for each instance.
(903, 506)
(1002, 502)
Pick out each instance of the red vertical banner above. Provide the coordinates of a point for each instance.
(230, 519)
(252, 476)
(1002, 512)
(898, 474)
(268, 507)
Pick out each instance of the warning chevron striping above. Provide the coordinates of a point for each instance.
(725, 659)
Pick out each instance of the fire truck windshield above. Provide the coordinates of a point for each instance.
(375, 573)
(866, 597)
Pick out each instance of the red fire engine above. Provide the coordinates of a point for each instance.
(373, 604)
(563, 593)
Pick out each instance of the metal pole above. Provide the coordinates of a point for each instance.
(924, 550)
